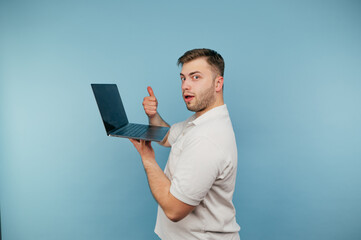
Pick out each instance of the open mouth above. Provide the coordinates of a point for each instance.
(188, 98)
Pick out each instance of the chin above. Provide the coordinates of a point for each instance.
(191, 109)
(194, 109)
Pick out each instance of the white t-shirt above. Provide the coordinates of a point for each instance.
(202, 168)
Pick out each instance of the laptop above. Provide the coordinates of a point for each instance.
(115, 119)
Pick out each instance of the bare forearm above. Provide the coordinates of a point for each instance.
(157, 120)
(159, 183)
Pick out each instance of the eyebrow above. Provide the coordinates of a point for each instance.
(191, 73)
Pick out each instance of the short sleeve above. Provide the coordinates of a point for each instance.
(197, 169)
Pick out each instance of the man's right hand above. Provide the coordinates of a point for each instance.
(150, 104)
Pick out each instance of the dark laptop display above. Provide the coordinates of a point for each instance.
(115, 119)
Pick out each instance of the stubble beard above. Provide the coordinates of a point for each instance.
(203, 100)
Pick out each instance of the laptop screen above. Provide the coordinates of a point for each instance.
(110, 106)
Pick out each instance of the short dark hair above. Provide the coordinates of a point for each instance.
(213, 58)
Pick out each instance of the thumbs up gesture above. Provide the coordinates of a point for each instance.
(150, 103)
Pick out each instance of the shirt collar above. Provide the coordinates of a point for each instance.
(213, 113)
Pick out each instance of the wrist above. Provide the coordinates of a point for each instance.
(153, 119)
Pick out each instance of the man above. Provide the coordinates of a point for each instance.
(195, 191)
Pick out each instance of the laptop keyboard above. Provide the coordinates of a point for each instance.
(133, 130)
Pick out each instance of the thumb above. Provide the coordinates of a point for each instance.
(133, 141)
(150, 91)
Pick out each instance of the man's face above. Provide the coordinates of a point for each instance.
(198, 85)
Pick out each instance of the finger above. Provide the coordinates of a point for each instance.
(141, 144)
(150, 91)
(150, 103)
(150, 99)
(150, 113)
(134, 141)
(150, 108)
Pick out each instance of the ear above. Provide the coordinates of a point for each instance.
(219, 83)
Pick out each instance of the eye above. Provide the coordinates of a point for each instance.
(183, 79)
(195, 77)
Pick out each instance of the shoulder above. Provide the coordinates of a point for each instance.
(216, 136)
(217, 130)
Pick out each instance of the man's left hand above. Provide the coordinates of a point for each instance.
(144, 148)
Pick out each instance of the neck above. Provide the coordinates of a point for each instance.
(219, 102)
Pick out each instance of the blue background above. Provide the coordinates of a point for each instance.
(292, 86)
